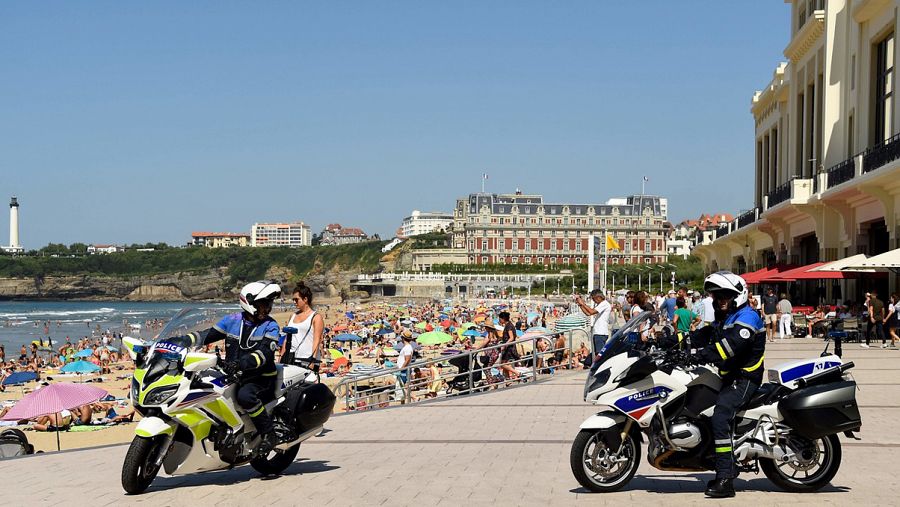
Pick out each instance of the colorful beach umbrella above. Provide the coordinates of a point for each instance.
(421, 325)
(346, 337)
(20, 377)
(471, 332)
(434, 338)
(80, 367)
(335, 353)
(85, 353)
(52, 399)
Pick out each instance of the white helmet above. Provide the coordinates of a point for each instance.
(726, 280)
(258, 291)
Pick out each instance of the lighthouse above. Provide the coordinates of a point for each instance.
(14, 246)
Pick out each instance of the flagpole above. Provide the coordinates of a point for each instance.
(605, 260)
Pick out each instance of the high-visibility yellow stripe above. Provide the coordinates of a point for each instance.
(721, 350)
(757, 365)
(723, 449)
(680, 337)
(270, 374)
(259, 411)
(258, 359)
(723, 373)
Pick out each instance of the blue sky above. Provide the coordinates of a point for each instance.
(125, 122)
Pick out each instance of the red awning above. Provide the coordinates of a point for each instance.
(794, 274)
(804, 273)
(764, 275)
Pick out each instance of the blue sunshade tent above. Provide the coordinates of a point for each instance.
(85, 353)
(20, 377)
(346, 337)
(80, 367)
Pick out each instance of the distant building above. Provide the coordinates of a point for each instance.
(293, 234)
(421, 222)
(336, 234)
(14, 246)
(219, 239)
(697, 232)
(103, 249)
(523, 229)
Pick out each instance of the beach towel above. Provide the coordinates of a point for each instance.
(86, 428)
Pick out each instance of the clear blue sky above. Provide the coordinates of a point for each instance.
(131, 122)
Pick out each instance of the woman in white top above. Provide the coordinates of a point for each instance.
(307, 342)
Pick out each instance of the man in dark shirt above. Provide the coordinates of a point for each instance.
(876, 319)
(770, 313)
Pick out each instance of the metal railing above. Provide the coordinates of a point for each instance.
(781, 193)
(841, 172)
(475, 373)
(881, 154)
(747, 218)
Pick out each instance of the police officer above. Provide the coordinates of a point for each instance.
(736, 344)
(251, 339)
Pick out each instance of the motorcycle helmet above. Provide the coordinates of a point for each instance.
(728, 281)
(255, 292)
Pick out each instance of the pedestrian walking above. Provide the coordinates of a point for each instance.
(876, 320)
(785, 312)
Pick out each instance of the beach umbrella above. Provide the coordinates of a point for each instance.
(85, 353)
(572, 321)
(421, 325)
(20, 377)
(339, 327)
(80, 367)
(479, 318)
(111, 348)
(445, 324)
(335, 353)
(434, 338)
(52, 399)
(471, 332)
(390, 353)
(385, 330)
(346, 337)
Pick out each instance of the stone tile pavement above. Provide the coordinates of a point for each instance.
(507, 447)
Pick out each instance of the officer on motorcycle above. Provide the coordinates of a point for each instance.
(251, 339)
(736, 343)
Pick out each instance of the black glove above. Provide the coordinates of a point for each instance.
(231, 368)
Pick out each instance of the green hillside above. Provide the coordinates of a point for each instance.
(242, 263)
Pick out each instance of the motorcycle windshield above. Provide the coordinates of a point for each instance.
(624, 339)
(170, 346)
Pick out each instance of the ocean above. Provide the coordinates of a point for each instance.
(21, 322)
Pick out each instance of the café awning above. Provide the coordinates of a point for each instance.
(886, 261)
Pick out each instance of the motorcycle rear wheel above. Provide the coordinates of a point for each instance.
(276, 462)
(139, 468)
(590, 463)
(794, 476)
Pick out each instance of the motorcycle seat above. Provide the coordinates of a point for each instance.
(764, 395)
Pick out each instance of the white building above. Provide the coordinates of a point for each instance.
(219, 239)
(103, 249)
(293, 234)
(422, 222)
(14, 246)
(827, 148)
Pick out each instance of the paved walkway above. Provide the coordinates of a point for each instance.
(502, 448)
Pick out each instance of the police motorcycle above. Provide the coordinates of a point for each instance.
(191, 421)
(789, 429)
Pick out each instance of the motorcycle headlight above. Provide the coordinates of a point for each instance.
(159, 395)
(595, 381)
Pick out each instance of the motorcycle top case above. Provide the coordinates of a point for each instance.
(788, 374)
(822, 410)
(310, 405)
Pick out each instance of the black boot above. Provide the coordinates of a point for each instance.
(720, 488)
(268, 442)
(265, 429)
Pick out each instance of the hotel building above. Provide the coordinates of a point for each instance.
(219, 239)
(523, 229)
(294, 234)
(827, 169)
(422, 222)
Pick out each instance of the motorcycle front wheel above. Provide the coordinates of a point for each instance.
(140, 468)
(276, 462)
(815, 464)
(595, 466)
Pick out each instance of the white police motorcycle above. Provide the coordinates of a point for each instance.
(788, 429)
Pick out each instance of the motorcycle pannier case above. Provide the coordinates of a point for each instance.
(313, 406)
(821, 410)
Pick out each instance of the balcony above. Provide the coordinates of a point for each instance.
(722, 230)
(747, 218)
(881, 154)
(840, 173)
(795, 189)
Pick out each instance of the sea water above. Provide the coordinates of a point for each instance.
(22, 322)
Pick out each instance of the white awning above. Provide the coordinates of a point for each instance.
(888, 260)
(842, 263)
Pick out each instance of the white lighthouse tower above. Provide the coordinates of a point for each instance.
(14, 246)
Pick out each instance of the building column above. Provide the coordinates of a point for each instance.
(889, 200)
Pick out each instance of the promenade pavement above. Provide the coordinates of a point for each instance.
(509, 447)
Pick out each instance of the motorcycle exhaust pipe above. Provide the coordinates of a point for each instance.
(303, 436)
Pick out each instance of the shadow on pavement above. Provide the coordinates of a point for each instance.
(237, 475)
(696, 483)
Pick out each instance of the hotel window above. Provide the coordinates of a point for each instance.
(884, 89)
